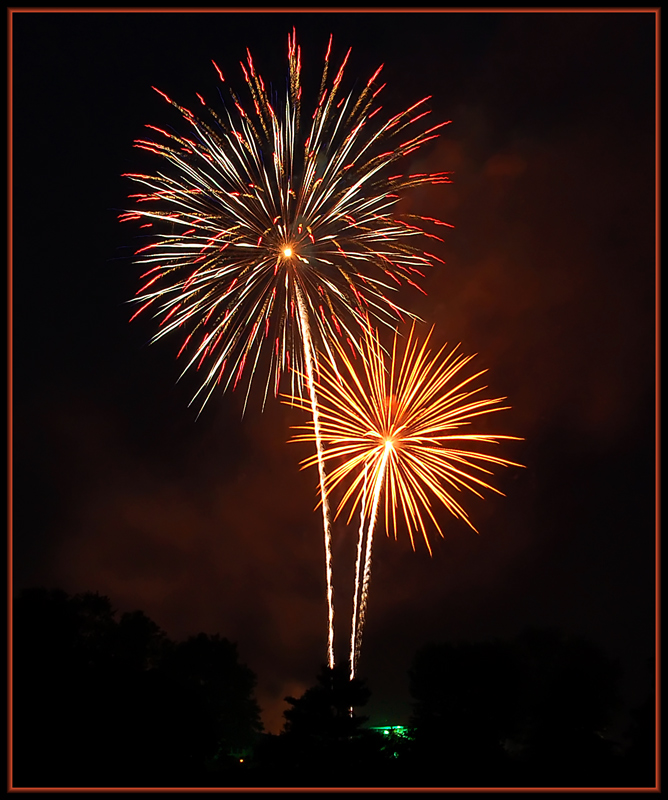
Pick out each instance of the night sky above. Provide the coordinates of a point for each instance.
(207, 524)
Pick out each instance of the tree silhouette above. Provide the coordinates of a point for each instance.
(101, 702)
(465, 708)
(323, 743)
(533, 709)
(209, 664)
(570, 693)
(326, 711)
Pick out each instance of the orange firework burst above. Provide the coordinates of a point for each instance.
(398, 425)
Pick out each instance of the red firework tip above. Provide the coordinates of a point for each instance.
(419, 288)
(438, 222)
(154, 269)
(171, 314)
(215, 344)
(152, 149)
(396, 118)
(159, 130)
(239, 371)
(183, 347)
(201, 99)
(168, 99)
(436, 127)
(220, 74)
(329, 47)
(375, 75)
(419, 116)
(203, 355)
(337, 80)
(141, 309)
(250, 62)
(148, 247)
(145, 287)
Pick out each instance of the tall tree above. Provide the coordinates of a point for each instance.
(326, 711)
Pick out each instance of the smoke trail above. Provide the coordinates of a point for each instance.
(308, 355)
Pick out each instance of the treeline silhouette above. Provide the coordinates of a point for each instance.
(104, 702)
(107, 701)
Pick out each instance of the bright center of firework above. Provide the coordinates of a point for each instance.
(389, 444)
(287, 252)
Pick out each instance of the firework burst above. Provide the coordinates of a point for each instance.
(270, 234)
(395, 430)
(262, 211)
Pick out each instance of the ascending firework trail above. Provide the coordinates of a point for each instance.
(269, 237)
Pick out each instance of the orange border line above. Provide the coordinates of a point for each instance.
(10, 11)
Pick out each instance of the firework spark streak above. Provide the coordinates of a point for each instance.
(308, 353)
(262, 217)
(358, 570)
(393, 428)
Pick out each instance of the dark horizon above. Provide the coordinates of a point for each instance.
(207, 524)
(107, 700)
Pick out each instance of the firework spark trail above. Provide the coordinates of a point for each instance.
(308, 355)
(358, 570)
(395, 426)
(355, 653)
